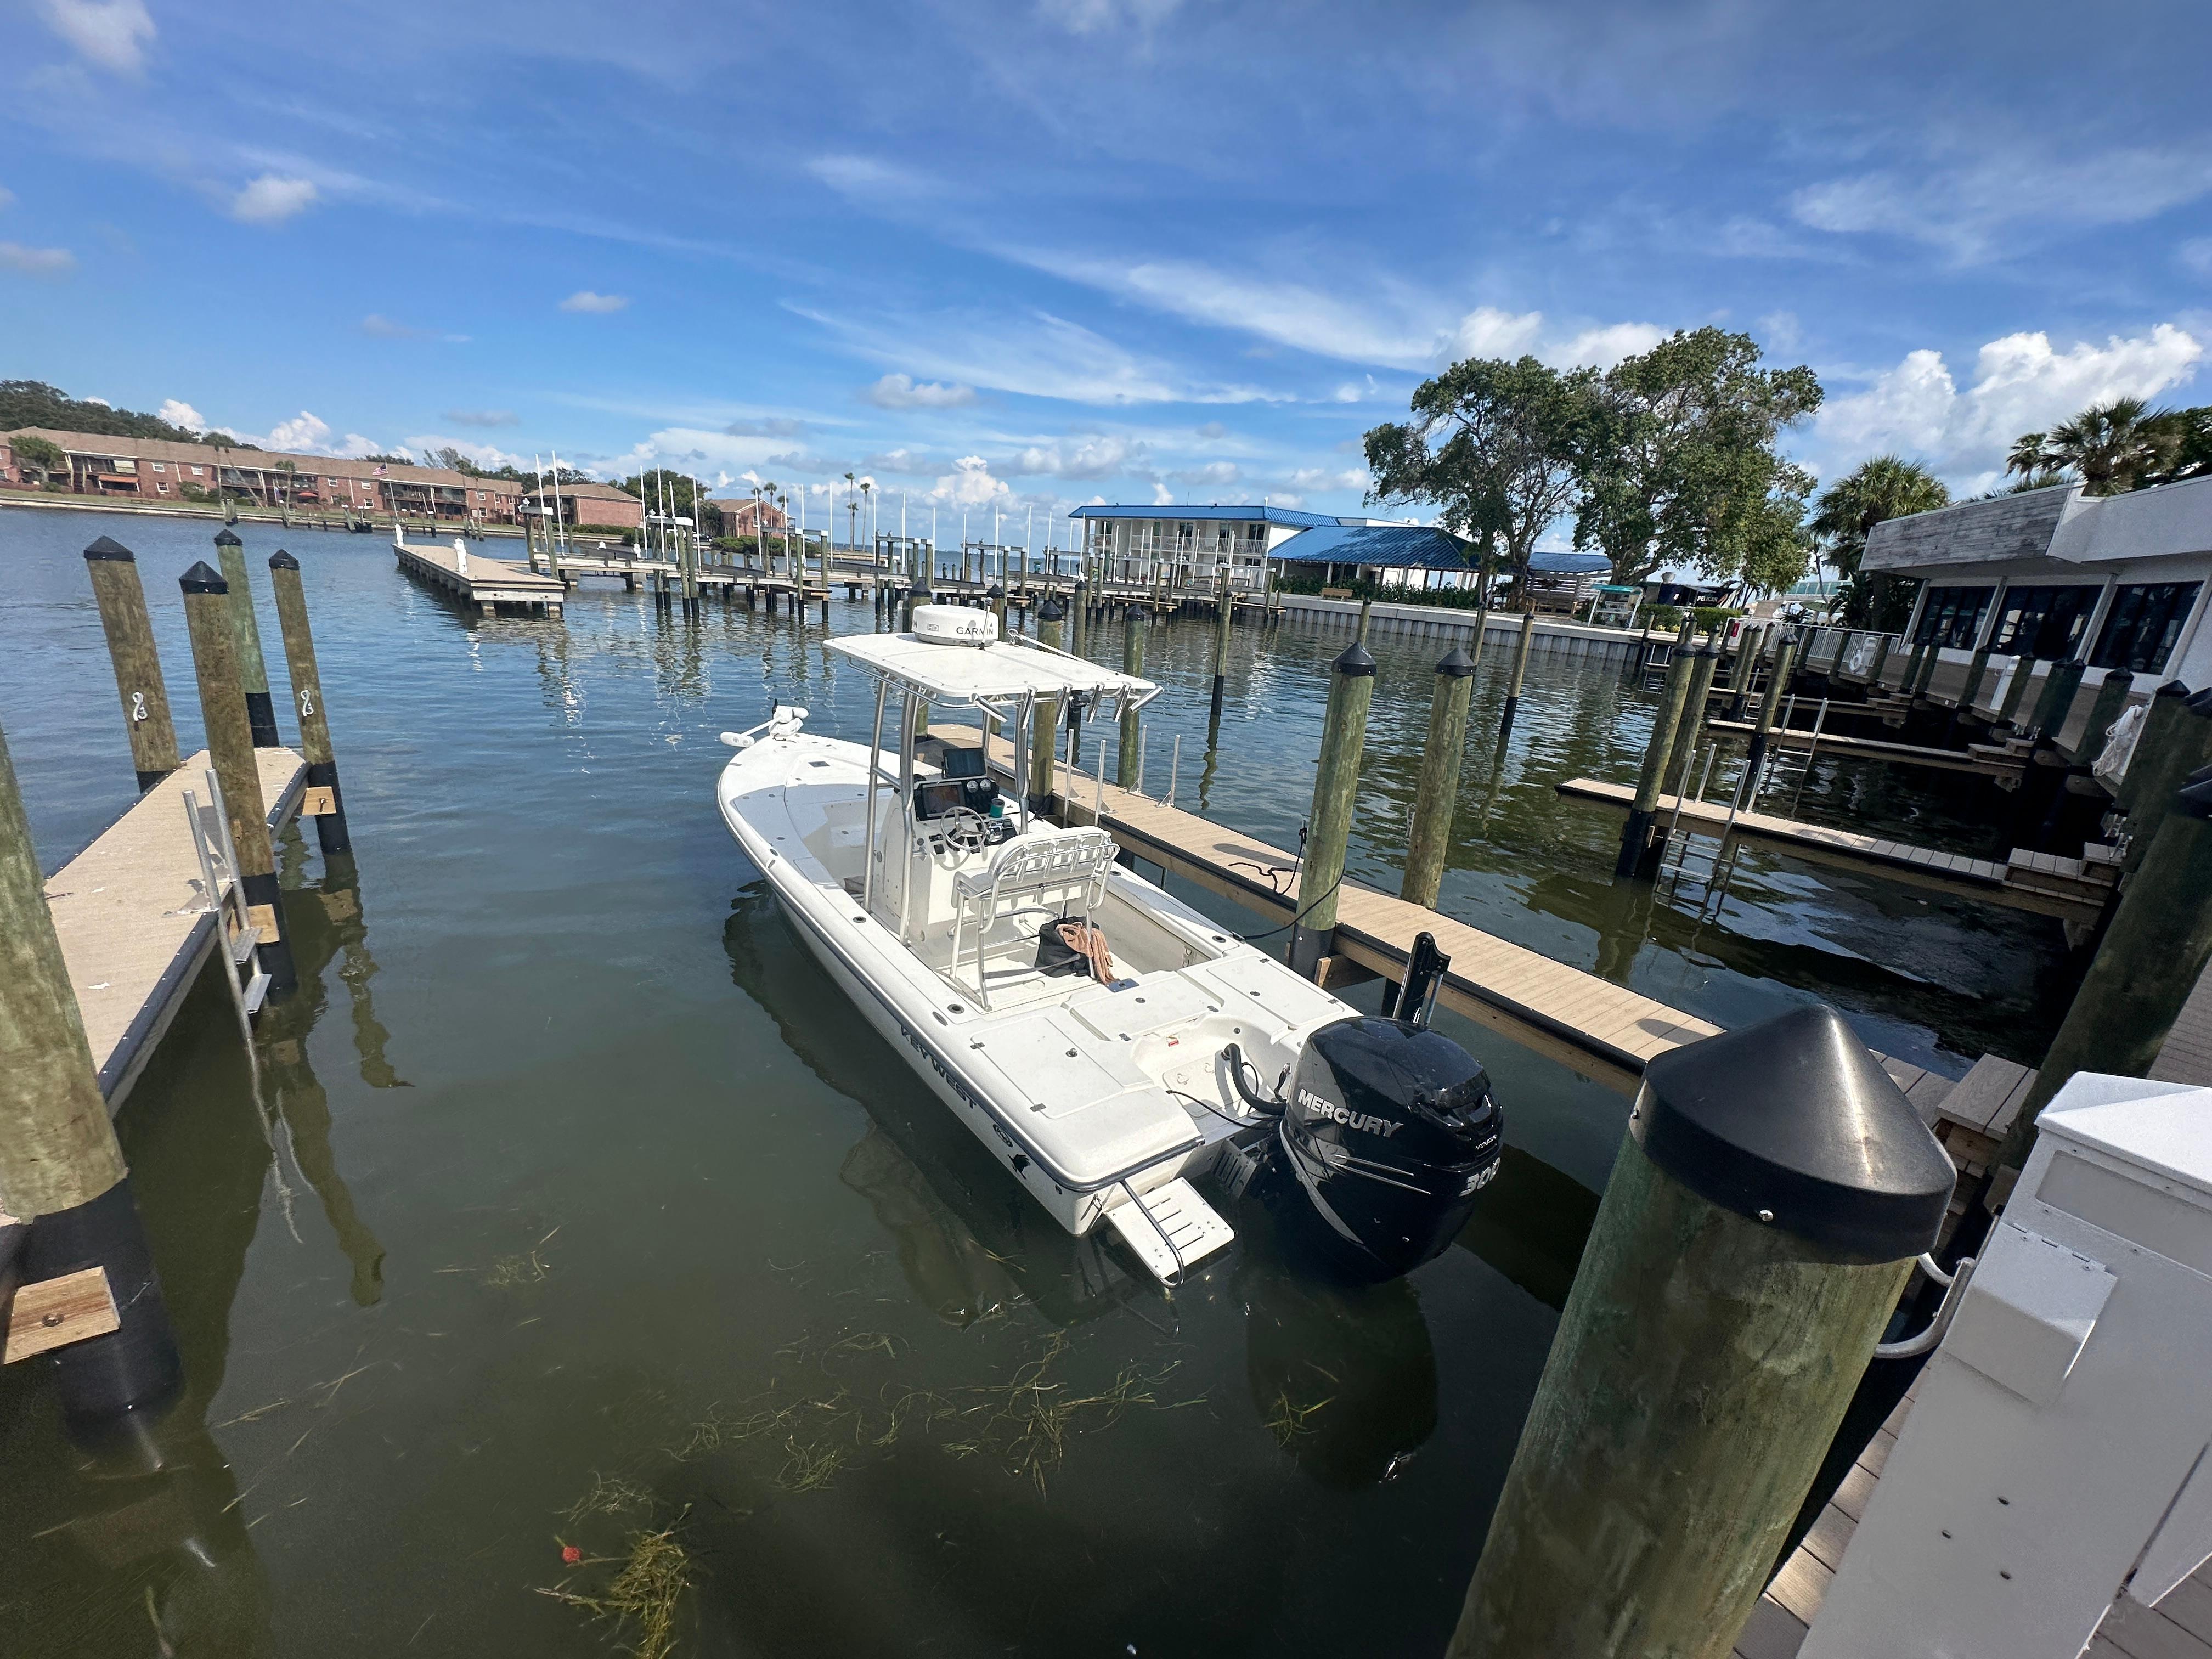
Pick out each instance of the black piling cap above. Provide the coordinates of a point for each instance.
(917, 586)
(108, 548)
(280, 560)
(1052, 611)
(1708, 649)
(1793, 1123)
(1355, 664)
(1456, 665)
(203, 578)
(995, 592)
(2171, 689)
(228, 537)
(2200, 702)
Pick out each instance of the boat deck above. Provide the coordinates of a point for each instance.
(135, 925)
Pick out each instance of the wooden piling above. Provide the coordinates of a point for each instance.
(1080, 624)
(2150, 960)
(2057, 697)
(1438, 794)
(116, 591)
(1336, 787)
(60, 1168)
(1977, 670)
(1221, 643)
(1045, 717)
(230, 744)
(328, 806)
(246, 635)
(2172, 744)
(1881, 657)
(1666, 726)
(1702, 662)
(1777, 682)
(1754, 1237)
(1132, 663)
(1519, 671)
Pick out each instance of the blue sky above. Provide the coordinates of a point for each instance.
(1047, 251)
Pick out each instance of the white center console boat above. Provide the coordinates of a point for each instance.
(1108, 1042)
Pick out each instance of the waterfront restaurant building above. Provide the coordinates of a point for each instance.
(1189, 546)
(154, 470)
(745, 515)
(2112, 581)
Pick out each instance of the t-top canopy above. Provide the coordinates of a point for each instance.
(998, 673)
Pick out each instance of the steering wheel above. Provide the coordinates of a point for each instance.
(964, 829)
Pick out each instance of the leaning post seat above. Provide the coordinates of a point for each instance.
(1047, 866)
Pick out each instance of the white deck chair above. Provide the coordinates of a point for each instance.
(1041, 870)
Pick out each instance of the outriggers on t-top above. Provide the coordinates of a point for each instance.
(1108, 1042)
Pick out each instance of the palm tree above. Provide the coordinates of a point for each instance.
(1884, 488)
(2109, 446)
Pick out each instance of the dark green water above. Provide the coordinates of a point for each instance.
(568, 1166)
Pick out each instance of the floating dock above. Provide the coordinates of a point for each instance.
(2072, 890)
(1991, 761)
(475, 580)
(135, 922)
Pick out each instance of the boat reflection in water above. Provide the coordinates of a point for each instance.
(968, 1241)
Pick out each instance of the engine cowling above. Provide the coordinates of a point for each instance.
(1393, 1132)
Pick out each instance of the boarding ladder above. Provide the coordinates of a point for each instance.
(222, 895)
(1706, 857)
(1787, 767)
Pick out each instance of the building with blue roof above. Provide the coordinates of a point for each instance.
(1190, 545)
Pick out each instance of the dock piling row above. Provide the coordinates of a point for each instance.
(1336, 787)
(1438, 790)
(245, 633)
(121, 597)
(1132, 663)
(230, 744)
(328, 810)
(1636, 854)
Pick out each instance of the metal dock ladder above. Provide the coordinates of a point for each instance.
(224, 895)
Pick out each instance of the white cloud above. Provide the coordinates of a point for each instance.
(271, 199)
(109, 34)
(37, 261)
(484, 455)
(2020, 384)
(177, 412)
(1035, 355)
(584, 299)
(903, 391)
(1319, 477)
(1091, 16)
(1105, 456)
(1385, 324)
(1162, 496)
(1486, 331)
(307, 435)
(907, 462)
(1603, 347)
(384, 328)
(484, 418)
(1783, 331)
(1970, 211)
(864, 176)
(970, 484)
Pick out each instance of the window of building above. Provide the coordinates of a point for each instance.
(161, 490)
(2043, 622)
(1953, 615)
(200, 471)
(159, 467)
(2144, 623)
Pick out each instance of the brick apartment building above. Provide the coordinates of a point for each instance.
(155, 469)
(590, 503)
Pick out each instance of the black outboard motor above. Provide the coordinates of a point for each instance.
(1391, 1130)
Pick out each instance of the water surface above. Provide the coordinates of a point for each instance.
(567, 1173)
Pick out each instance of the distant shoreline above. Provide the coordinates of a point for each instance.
(245, 515)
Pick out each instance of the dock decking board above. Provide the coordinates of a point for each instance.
(129, 911)
(2186, 1056)
(486, 582)
(2016, 887)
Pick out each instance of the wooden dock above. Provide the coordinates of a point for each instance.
(2072, 890)
(1986, 759)
(134, 922)
(485, 583)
